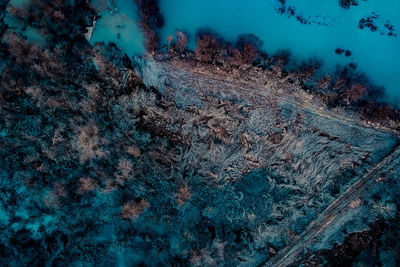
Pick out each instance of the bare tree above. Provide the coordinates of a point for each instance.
(181, 41)
(207, 48)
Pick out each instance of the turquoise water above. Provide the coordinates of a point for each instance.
(118, 24)
(376, 54)
(30, 33)
(18, 3)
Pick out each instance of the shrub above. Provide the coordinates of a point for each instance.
(86, 185)
(348, 3)
(307, 69)
(181, 41)
(151, 20)
(151, 13)
(132, 209)
(324, 82)
(246, 50)
(88, 142)
(356, 92)
(208, 46)
(183, 194)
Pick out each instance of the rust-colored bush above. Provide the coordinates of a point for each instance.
(379, 112)
(35, 59)
(356, 92)
(132, 209)
(307, 69)
(87, 142)
(246, 50)
(324, 82)
(86, 185)
(248, 54)
(134, 151)
(339, 84)
(151, 38)
(181, 41)
(207, 48)
(183, 194)
(169, 41)
(151, 19)
(125, 171)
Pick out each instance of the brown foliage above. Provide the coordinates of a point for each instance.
(86, 185)
(183, 194)
(93, 91)
(339, 83)
(249, 53)
(107, 68)
(125, 171)
(36, 59)
(20, 13)
(40, 12)
(163, 157)
(134, 151)
(181, 41)
(150, 13)
(169, 41)
(379, 112)
(383, 112)
(324, 82)
(151, 19)
(23, 51)
(151, 40)
(247, 56)
(207, 48)
(132, 209)
(87, 142)
(356, 92)
(308, 69)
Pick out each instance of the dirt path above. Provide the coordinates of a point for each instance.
(262, 90)
(255, 93)
(338, 208)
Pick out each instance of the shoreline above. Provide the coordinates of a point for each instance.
(349, 89)
(220, 156)
(271, 80)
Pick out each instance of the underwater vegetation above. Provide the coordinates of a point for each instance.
(326, 26)
(345, 87)
(221, 155)
(348, 3)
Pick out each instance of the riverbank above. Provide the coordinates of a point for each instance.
(221, 156)
(276, 81)
(306, 28)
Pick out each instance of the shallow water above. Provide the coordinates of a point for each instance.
(30, 33)
(118, 24)
(18, 3)
(375, 53)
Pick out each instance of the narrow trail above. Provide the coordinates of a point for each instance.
(337, 208)
(246, 88)
(255, 90)
(250, 90)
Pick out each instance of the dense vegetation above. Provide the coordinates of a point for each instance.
(98, 168)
